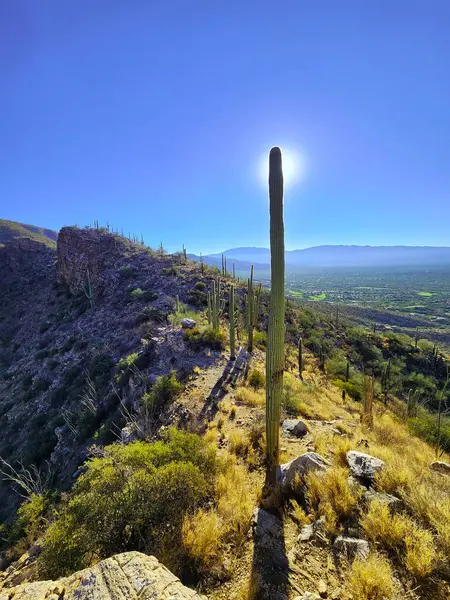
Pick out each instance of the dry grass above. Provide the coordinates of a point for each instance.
(235, 501)
(330, 495)
(238, 442)
(371, 579)
(399, 534)
(202, 534)
(250, 397)
(298, 514)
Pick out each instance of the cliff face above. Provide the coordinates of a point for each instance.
(55, 343)
(83, 251)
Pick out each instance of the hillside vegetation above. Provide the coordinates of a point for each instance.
(126, 428)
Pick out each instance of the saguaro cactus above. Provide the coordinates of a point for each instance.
(300, 358)
(369, 391)
(347, 372)
(215, 303)
(232, 318)
(253, 301)
(275, 338)
(88, 289)
(385, 377)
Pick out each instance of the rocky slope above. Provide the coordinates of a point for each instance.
(55, 342)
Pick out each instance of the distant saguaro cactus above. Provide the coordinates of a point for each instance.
(411, 406)
(87, 288)
(275, 338)
(300, 358)
(347, 372)
(385, 376)
(369, 392)
(252, 308)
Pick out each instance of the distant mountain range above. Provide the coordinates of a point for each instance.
(338, 256)
(10, 230)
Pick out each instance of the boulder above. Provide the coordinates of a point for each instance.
(294, 427)
(188, 323)
(300, 466)
(127, 575)
(363, 465)
(440, 467)
(351, 548)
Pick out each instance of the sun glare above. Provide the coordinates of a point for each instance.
(293, 167)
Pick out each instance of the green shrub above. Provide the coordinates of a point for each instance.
(260, 339)
(126, 271)
(209, 337)
(169, 270)
(134, 498)
(151, 313)
(425, 425)
(29, 520)
(256, 379)
(351, 388)
(197, 297)
(163, 392)
(144, 296)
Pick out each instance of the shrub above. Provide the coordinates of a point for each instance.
(351, 388)
(126, 271)
(163, 392)
(134, 498)
(143, 296)
(371, 579)
(260, 339)
(151, 313)
(209, 337)
(256, 379)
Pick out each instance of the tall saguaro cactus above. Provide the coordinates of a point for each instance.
(214, 305)
(253, 301)
(232, 318)
(275, 338)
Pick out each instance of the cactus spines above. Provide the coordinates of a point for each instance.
(232, 319)
(300, 358)
(253, 302)
(275, 338)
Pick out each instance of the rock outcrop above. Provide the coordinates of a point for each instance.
(127, 576)
(300, 466)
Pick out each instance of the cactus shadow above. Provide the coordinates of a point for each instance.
(233, 371)
(269, 578)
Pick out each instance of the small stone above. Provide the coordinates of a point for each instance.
(322, 588)
(294, 427)
(351, 547)
(440, 467)
(363, 465)
(188, 323)
(308, 531)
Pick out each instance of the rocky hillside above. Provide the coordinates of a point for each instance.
(70, 319)
(128, 429)
(11, 230)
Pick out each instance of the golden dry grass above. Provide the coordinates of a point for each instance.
(250, 397)
(371, 579)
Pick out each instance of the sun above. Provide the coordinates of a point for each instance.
(294, 167)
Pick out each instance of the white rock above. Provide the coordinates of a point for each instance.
(363, 465)
(351, 547)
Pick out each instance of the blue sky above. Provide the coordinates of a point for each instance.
(153, 115)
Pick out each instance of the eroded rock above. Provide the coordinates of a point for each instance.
(440, 467)
(299, 467)
(128, 575)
